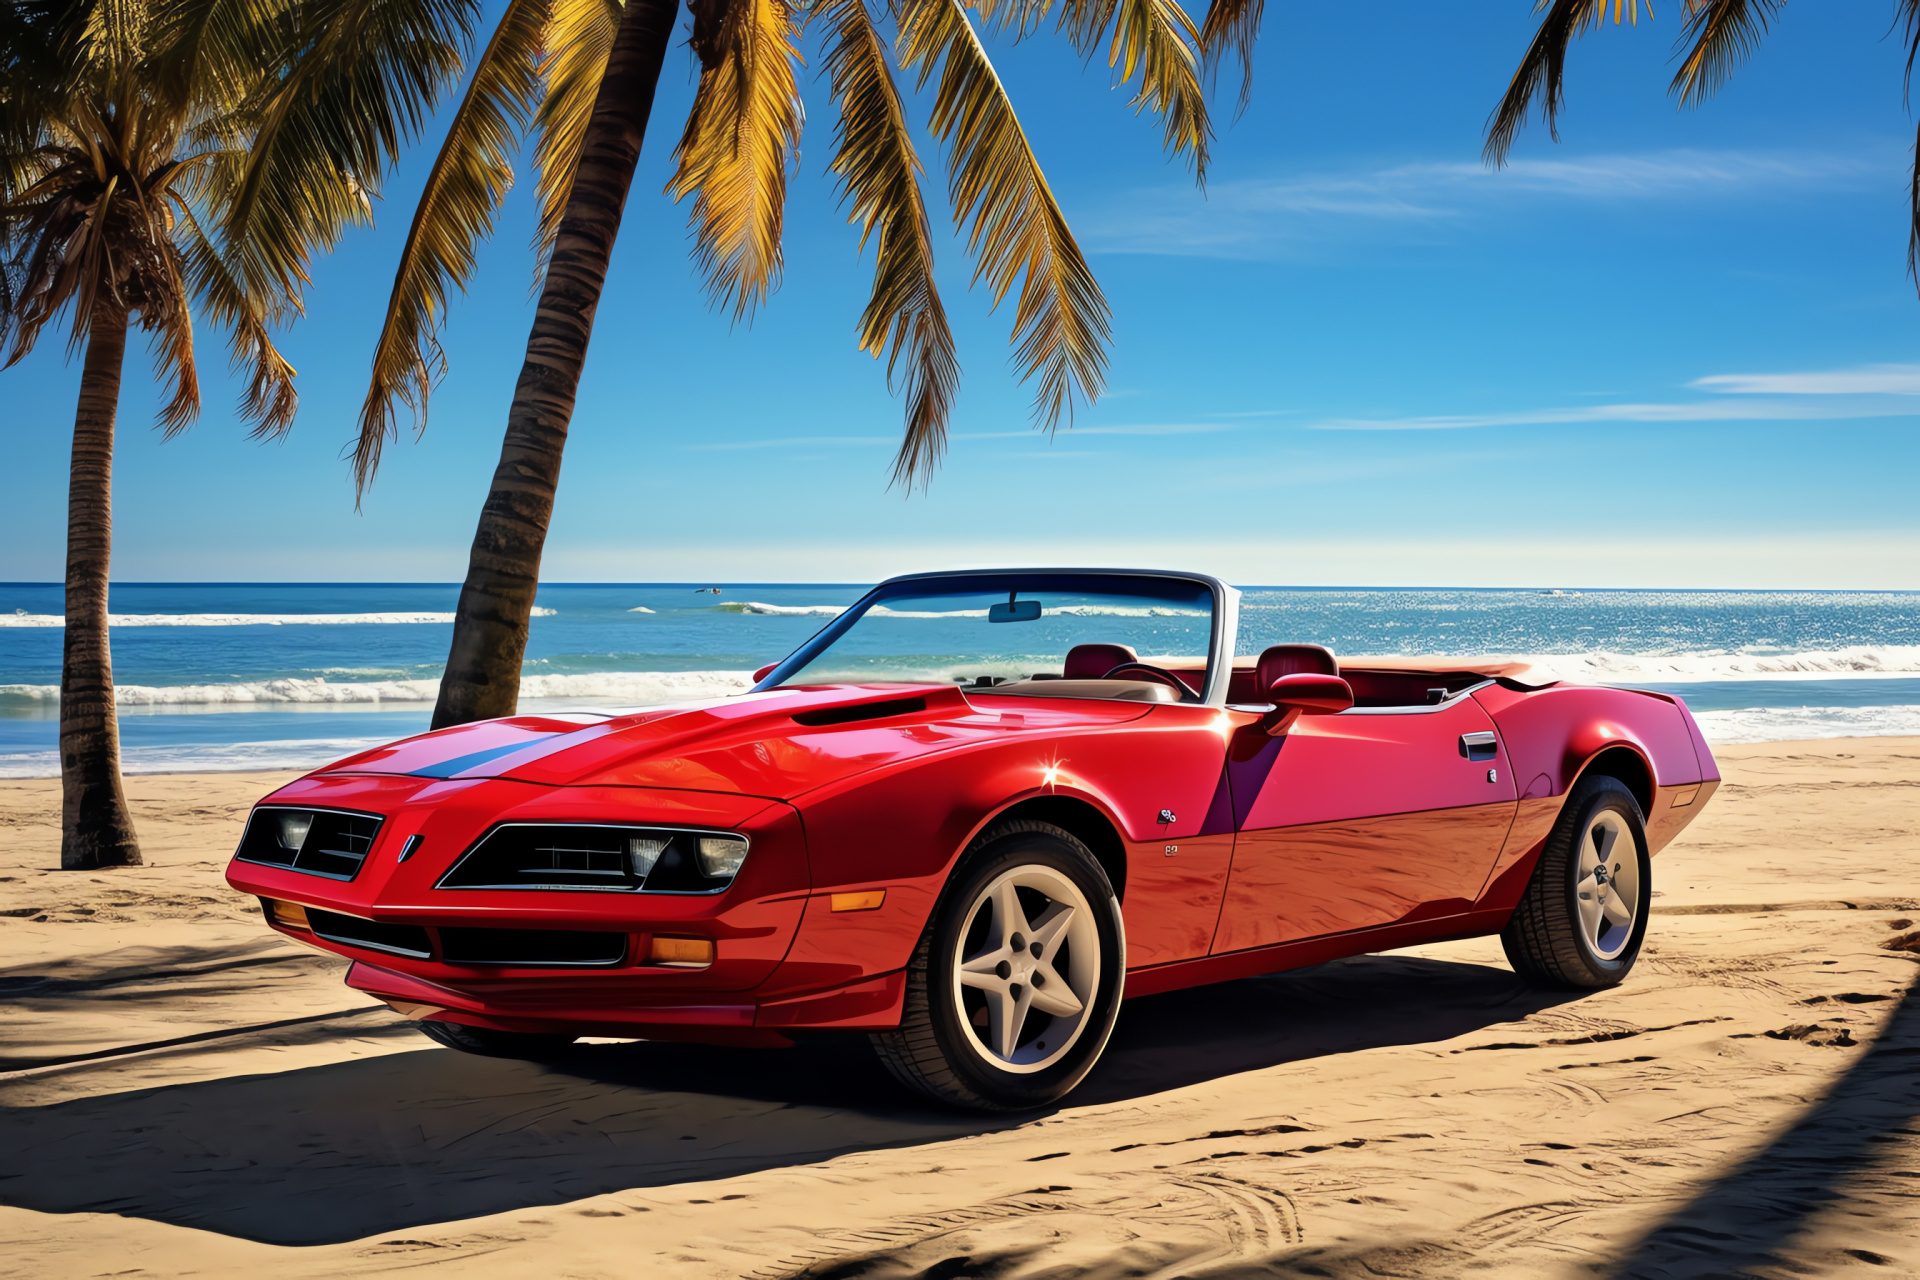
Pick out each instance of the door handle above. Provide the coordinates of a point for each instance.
(1479, 746)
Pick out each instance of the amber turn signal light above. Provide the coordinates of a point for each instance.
(866, 900)
(290, 914)
(681, 953)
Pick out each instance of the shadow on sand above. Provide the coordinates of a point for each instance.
(357, 1148)
(1856, 1143)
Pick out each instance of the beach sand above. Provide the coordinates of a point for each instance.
(1747, 1103)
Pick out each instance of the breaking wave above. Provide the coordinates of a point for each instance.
(1603, 667)
(21, 618)
(1065, 611)
(1787, 724)
(620, 686)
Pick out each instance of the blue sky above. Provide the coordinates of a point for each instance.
(1676, 349)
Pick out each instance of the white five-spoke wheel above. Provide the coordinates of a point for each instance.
(1583, 916)
(1016, 983)
(1608, 883)
(1027, 963)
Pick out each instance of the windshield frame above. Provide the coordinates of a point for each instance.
(1219, 657)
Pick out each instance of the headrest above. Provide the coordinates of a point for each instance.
(1292, 660)
(1091, 661)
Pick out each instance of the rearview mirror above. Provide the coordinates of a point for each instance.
(1311, 693)
(1015, 611)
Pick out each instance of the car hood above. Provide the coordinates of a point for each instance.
(777, 744)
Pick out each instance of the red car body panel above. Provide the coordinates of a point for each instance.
(1233, 852)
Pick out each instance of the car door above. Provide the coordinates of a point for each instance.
(1370, 817)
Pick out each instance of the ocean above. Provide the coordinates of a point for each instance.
(284, 676)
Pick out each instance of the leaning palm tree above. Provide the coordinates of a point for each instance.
(580, 75)
(1716, 37)
(158, 158)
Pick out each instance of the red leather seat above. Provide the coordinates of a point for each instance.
(1092, 661)
(1292, 660)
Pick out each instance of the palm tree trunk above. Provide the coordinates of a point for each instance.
(95, 828)
(490, 625)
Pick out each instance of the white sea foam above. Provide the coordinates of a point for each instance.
(880, 610)
(1858, 661)
(1786, 724)
(622, 686)
(21, 618)
(640, 609)
(299, 753)
(781, 610)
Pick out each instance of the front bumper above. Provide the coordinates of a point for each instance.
(411, 935)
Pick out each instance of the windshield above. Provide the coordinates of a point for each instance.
(1137, 637)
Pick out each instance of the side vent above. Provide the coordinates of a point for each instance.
(860, 711)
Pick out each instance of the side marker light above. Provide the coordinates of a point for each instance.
(290, 914)
(681, 953)
(866, 900)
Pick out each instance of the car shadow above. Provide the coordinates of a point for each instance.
(354, 1149)
(1856, 1144)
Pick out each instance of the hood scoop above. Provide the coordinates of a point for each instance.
(860, 711)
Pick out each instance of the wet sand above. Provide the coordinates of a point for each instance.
(1748, 1103)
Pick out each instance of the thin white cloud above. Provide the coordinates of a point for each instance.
(1265, 218)
(1702, 411)
(795, 442)
(1144, 429)
(1868, 379)
(791, 441)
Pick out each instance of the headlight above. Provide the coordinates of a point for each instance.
(612, 859)
(294, 826)
(321, 842)
(721, 856)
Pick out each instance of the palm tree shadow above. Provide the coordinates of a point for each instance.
(1838, 1151)
(356, 1148)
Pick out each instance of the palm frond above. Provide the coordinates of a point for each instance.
(732, 156)
(1910, 14)
(1232, 25)
(578, 41)
(1541, 73)
(1015, 229)
(880, 174)
(361, 77)
(1158, 38)
(470, 177)
(1724, 34)
(270, 399)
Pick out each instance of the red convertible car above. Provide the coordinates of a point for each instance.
(967, 818)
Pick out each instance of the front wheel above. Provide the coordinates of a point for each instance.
(1584, 914)
(1014, 988)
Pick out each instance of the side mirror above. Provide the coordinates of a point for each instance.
(764, 672)
(1311, 694)
(1307, 694)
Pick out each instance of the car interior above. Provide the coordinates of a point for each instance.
(1115, 671)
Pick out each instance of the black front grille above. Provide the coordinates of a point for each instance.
(531, 947)
(396, 939)
(321, 842)
(582, 856)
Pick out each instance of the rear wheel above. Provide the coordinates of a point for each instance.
(1584, 915)
(1014, 988)
(489, 1043)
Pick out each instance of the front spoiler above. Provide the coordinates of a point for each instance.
(874, 1004)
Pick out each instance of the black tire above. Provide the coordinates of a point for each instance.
(941, 1047)
(489, 1043)
(1546, 941)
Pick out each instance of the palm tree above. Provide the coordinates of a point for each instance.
(161, 157)
(1718, 35)
(580, 74)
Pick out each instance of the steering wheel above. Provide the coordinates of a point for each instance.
(1147, 673)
